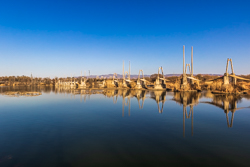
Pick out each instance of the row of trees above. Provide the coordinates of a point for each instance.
(26, 80)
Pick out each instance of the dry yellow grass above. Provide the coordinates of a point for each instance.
(132, 84)
(230, 88)
(243, 85)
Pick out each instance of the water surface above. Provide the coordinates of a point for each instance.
(68, 128)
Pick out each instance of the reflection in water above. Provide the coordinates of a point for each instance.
(159, 97)
(187, 99)
(140, 95)
(21, 93)
(125, 95)
(85, 95)
(228, 103)
(57, 131)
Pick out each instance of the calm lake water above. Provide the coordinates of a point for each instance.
(67, 128)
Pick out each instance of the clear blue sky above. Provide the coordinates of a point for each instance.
(63, 38)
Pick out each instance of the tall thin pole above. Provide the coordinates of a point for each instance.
(123, 71)
(183, 59)
(227, 66)
(129, 70)
(85, 77)
(232, 68)
(192, 68)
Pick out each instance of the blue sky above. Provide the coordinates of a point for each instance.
(63, 38)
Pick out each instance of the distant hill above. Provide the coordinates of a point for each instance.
(133, 76)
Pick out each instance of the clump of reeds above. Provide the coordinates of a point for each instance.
(132, 84)
(227, 88)
(196, 85)
(177, 85)
(171, 86)
(243, 85)
(230, 88)
(217, 85)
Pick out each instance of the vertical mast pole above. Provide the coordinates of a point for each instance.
(129, 71)
(123, 71)
(192, 68)
(81, 77)
(183, 59)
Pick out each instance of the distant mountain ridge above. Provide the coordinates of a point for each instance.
(133, 76)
